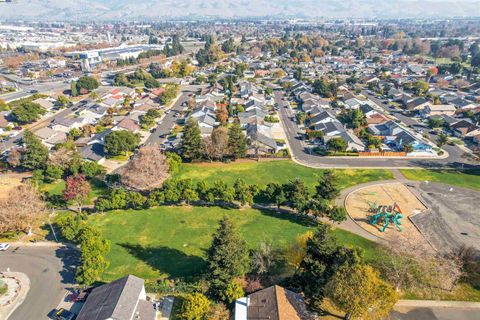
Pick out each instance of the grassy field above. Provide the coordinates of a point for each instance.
(279, 171)
(172, 240)
(467, 179)
(57, 187)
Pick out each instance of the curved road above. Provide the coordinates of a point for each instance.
(50, 271)
(303, 156)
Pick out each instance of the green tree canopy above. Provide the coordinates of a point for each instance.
(119, 142)
(191, 141)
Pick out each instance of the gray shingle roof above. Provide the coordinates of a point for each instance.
(116, 300)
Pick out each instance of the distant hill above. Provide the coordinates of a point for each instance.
(135, 9)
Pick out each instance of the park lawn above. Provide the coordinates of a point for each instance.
(466, 178)
(171, 241)
(279, 171)
(57, 187)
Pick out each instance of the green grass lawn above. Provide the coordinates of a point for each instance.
(467, 179)
(57, 187)
(171, 241)
(279, 171)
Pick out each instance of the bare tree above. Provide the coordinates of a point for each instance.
(414, 265)
(15, 158)
(147, 170)
(21, 209)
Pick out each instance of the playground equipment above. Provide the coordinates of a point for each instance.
(386, 214)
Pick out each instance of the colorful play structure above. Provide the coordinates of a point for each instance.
(386, 214)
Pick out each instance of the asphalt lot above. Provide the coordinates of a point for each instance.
(50, 271)
(452, 219)
(304, 156)
(434, 314)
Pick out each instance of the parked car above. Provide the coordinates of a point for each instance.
(33, 91)
(4, 246)
(63, 314)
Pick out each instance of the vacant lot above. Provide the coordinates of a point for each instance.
(467, 179)
(8, 181)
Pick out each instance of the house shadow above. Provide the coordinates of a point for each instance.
(170, 261)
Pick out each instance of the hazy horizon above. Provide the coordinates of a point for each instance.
(155, 9)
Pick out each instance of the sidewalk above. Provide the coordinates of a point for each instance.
(21, 292)
(437, 304)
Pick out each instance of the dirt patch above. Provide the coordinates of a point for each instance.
(8, 181)
(358, 205)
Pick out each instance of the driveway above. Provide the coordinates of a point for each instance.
(304, 156)
(50, 270)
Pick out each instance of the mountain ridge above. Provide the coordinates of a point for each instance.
(155, 9)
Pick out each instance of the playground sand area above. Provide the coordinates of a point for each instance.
(358, 204)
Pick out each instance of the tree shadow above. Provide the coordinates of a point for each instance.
(414, 314)
(302, 220)
(171, 261)
(69, 257)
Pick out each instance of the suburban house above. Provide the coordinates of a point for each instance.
(122, 299)
(46, 104)
(435, 110)
(273, 303)
(67, 124)
(464, 128)
(206, 118)
(417, 104)
(50, 137)
(395, 136)
(260, 140)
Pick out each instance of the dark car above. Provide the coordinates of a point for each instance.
(63, 314)
(33, 91)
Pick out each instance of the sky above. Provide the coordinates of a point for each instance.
(131, 9)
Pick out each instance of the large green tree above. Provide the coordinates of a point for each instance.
(120, 142)
(35, 155)
(86, 84)
(358, 290)
(227, 257)
(191, 141)
(323, 258)
(28, 112)
(237, 144)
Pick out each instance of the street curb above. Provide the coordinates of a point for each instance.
(438, 304)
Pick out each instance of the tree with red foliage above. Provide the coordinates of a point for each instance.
(76, 190)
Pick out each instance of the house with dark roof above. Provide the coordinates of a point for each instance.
(122, 299)
(417, 104)
(464, 128)
(396, 136)
(273, 303)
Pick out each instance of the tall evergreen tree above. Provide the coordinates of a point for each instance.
(191, 140)
(323, 258)
(237, 144)
(36, 154)
(227, 257)
(327, 187)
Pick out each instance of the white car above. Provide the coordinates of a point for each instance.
(4, 246)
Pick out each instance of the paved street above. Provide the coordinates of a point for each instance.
(168, 121)
(303, 155)
(50, 272)
(42, 87)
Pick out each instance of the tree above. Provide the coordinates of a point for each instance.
(120, 80)
(147, 170)
(195, 306)
(77, 189)
(337, 144)
(353, 118)
(227, 257)
(73, 89)
(358, 290)
(322, 259)
(28, 112)
(296, 195)
(327, 187)
(442, 139)
(407, 148)
(243, 193)
(63, 101)
(325, 88)
(119, 142)
(52, 173)
(35, 155)
(232, 292)
(296, 252)
(218, 311)
(191, 141)
(92, 255)
(14, 158)
(21, 209)
(237, 143)
(86, 84)
(263, 257)
(219, 143)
